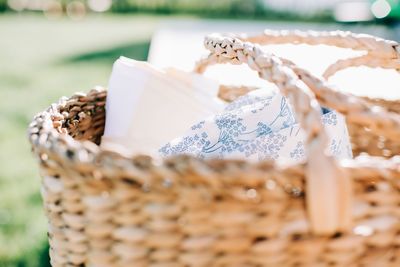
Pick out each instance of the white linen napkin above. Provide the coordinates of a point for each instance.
(147, 107)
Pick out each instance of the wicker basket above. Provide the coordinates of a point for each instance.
(107, 209)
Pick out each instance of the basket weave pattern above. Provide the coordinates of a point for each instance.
(107, 209)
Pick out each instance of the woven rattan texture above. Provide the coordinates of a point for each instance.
(109, 209)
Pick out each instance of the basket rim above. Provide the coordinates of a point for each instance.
(47, 141)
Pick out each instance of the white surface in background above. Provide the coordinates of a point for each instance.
(181, 45)
(346, 11)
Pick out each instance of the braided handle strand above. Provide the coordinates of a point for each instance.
(357, 110)
(364, 60)
(373, 45)
(328, 187)
(379, 52)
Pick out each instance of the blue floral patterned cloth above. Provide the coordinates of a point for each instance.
(259, 125)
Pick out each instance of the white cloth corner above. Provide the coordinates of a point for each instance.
(146, 107)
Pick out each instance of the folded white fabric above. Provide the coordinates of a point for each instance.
(260, 125)
(147, 107)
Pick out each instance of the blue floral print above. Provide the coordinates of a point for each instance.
(298, 151)
(250, 100)
(198, 125)
(260, 125)
(330, 118)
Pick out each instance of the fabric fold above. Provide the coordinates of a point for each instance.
(146, 107)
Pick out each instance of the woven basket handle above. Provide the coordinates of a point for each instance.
(328, 189)
(379, 52)
(356, 109)
(367, 60)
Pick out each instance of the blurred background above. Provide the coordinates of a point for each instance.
(50, 48)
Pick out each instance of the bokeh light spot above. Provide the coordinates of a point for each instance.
(53, 9)
(99, 5)
(76, 10)
(17, 5)
(380, 9)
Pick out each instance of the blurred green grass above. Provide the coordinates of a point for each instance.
(40, 61)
